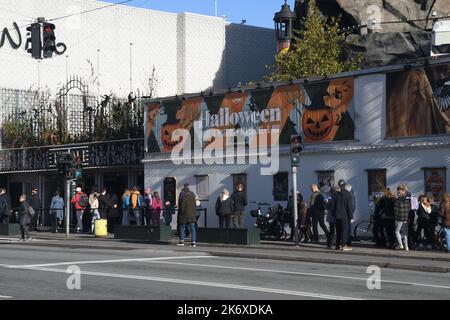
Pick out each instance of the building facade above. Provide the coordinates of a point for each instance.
(374, 128)
(77, 100)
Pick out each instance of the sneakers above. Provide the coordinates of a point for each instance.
(346, 248)
(406, 248)
(193, 245)
(181, 244)
(28, 239)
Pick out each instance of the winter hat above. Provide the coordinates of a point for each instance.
(78, 189)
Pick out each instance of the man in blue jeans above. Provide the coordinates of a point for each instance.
(187, 216)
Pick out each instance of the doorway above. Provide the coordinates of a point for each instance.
(115, 183)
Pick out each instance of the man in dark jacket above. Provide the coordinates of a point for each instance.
(103, 204)
(36, 204)
(224, 208)
(4, 214)
(113, 212)
(240, 202)
(317, 209)
(187, 216)
(343, 214)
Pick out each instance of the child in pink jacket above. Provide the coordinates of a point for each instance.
(157, 206)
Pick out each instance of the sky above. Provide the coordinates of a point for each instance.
(257, 12)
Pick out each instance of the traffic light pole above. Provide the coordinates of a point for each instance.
(67, 207)
(294, 199)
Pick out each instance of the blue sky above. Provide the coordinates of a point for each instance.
(256, 12)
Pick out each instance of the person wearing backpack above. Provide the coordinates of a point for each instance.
(126, 205)
(24, 218)
(317, 209)
(136, 205)
(80, 201)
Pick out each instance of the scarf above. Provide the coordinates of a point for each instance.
(427, 209)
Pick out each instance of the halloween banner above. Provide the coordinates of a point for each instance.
(435, 182)
(418, 102)
(263, 117)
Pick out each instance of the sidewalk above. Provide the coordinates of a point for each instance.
(363, 254)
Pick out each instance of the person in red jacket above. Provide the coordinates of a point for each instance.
(81, 201)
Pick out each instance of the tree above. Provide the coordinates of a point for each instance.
(318, 49)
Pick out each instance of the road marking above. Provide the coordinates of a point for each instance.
(104, 261)
(298, 273)
(6, 297)
(200, 283)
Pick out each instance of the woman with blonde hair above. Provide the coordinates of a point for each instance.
(126, 207)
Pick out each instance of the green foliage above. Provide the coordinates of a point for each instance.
(319, 49)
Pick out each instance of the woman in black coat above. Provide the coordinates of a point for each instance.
(386, 207)
(426, 221)
(224, 208)
(24, 218)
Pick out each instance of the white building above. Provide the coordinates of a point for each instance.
(397, 123)
(116, 48)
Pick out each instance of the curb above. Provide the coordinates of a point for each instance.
(389, 265)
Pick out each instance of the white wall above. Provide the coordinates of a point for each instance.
(187, 50)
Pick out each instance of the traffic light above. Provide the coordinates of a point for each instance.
(78, 174)
(296, 149)
(49, 39)
(34, 40)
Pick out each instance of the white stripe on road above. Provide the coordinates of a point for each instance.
(6, 297)
(298, 273)
(200, 283)
(104, 261)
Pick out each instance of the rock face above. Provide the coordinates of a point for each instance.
(360, 11)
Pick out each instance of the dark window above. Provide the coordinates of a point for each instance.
(325, 177)
(376, 181)
(281, 186)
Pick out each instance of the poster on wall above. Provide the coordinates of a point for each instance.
(418, 102)
(281, 186)
(325, 178)
(376, 182)
(435, 182)
(321, 112)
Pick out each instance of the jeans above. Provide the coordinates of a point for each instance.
(156, 217)
(125, 219)
(342, 232)
(318, 218)
(24, 231)
(79, 214)
(447, 238)
(224, 219)
(238, 219)
(95, 216)
(192, 230)
(137, 216)
(331, 235)
(400, 233)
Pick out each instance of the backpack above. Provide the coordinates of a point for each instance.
(31, 211)
(320, 203)
(83, 200)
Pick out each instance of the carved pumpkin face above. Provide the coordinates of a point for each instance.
(317, 124)
(166, 137)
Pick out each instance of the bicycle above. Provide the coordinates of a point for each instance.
(364, 230)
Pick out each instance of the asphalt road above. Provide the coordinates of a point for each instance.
(34, 272)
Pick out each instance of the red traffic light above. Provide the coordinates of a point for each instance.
(296, 139)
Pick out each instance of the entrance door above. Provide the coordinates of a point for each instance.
(115, 183)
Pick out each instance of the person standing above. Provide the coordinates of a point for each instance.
(24, 218)
(224, 208)
(304, 223)
(402, 208)
(425, 221)
(4, 216)
(103, 204)
(57, 209)
(290, 209)
(343, 215)
(330, 218)
(239, 197)
(113, 212)
(187, 217)
(126, 205)
(148, 199)
(81, 201)
(36, 204)
(317, 208)
(444, 212)
(94, 205)
(157, 206)
(169, 211)
(386, 206)
(136, 205)
(378, 232)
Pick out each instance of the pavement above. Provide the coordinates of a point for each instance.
(363, 254)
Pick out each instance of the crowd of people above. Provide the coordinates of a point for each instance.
(399, 218)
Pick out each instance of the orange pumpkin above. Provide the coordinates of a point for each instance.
(317, 124)
(166, 136)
